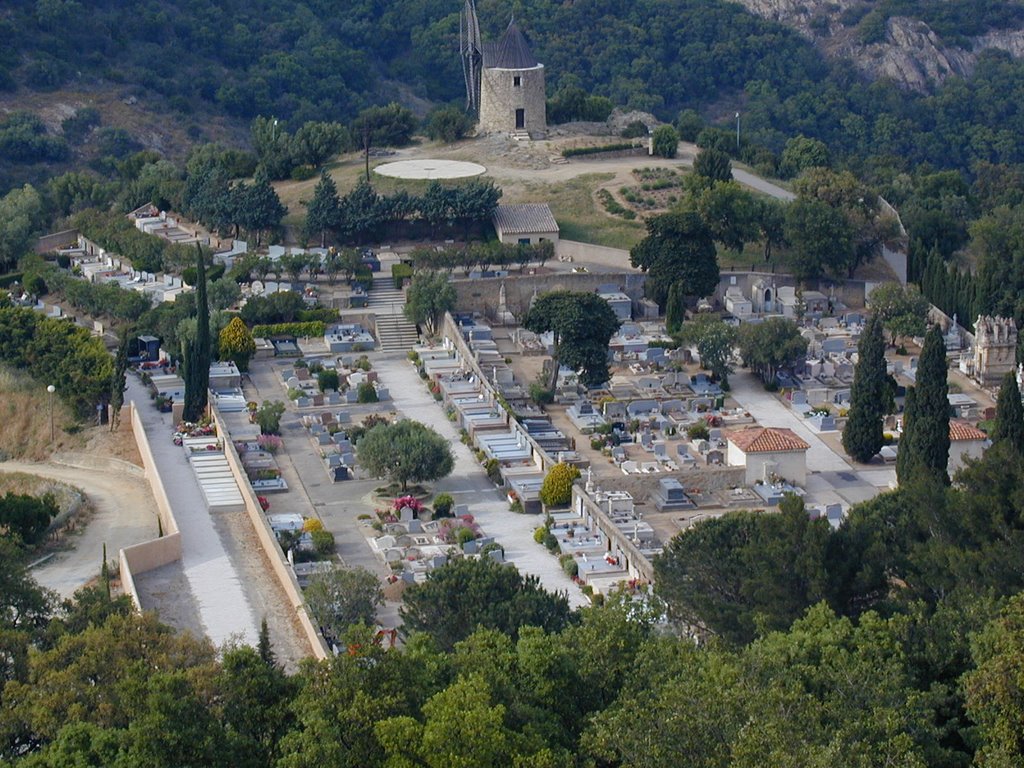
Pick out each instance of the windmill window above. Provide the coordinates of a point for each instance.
(516, 81)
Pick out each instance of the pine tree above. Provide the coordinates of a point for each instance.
(263, 207)
(675, 307)
(862, 436)
(904, 452)
(197, 362)
(322, 212)
(1009, 414)
(929, 439)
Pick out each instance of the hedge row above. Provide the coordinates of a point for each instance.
(618, 147)
(400, 273)
(313, 328)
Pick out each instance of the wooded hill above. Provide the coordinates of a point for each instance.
(302, 60)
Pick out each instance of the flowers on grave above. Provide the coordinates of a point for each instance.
(458, 530)
(264, 502)
(270, 443)
(202, 428)
(408, 501)
(386, 515)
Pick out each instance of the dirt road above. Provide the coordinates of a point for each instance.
(125, 514)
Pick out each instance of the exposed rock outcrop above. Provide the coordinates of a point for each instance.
(910, 53)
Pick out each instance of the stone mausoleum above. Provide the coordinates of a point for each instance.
(512, 95)
(995, 349)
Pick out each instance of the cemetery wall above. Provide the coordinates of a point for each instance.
(482, 295)
(156, 552)
(284, 574)
(56, 240)
(451, 331)
(640, 487)
(577, 251)
(637, 563)
(88, 461)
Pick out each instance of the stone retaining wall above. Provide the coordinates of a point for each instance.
(284, 574)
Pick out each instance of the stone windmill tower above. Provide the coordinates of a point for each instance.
(510, 96)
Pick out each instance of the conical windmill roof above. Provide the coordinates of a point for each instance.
(511, 51)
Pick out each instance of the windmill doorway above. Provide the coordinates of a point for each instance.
(520, 119)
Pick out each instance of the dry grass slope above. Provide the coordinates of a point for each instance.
(25, 425)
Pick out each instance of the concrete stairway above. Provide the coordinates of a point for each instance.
(394, 332)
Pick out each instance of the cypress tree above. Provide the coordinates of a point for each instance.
(118, 382)
(862, 436)
(197, 362)
(904, 452)
(930, 431)
(1009, 414)
(675, 308)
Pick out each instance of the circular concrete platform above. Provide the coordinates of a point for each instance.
(429, 169)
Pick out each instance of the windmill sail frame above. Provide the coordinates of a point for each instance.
(471, 52)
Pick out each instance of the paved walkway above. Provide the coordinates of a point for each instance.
(212, 578)
(748, 391)
(469, 485)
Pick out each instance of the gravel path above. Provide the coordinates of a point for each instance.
(124, 514)
(469, 485)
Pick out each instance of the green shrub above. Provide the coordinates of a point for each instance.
(493, 467)
(570, 566)
(539, 534)
(698, 431)
(400, 273)
(443, 504)
(323, 542)
(540, 394)
(328, 380)
(556, 490)
(634, 130)
(366, 393)
(324, 314)
(303, 172)
(550, 542)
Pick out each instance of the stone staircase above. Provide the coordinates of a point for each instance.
(394, 332)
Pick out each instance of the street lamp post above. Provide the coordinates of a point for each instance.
(51, 389)
(737, 133)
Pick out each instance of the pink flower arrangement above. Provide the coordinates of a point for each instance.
(449, 528)
(270, 443)
(407, 501)
(264, 502)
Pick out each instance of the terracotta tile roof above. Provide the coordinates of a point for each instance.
(524, 218)
(766, 440)
(961, 430)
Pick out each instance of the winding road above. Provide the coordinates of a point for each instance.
(124, 514)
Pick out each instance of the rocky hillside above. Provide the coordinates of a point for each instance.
(904, 48)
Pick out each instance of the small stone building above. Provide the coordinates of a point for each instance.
(768, 453)
(965, 442)
(512, 95)
(995, 349)
(526, 223)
